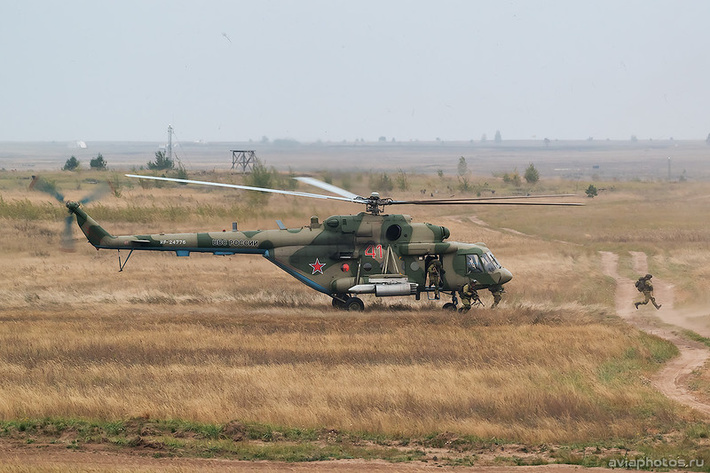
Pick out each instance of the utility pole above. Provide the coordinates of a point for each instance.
(669, 168)
(170, 143)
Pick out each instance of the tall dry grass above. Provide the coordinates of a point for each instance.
(528, 378)
(213, 339)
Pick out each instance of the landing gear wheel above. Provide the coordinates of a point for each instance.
(353, 304)
(450, 306)
(339, 301)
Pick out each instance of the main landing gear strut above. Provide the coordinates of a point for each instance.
(454, 302)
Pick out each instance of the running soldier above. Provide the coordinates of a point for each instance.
(497, 292)
(644, 286)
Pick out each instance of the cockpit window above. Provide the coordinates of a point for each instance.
(473, 264)
(489, 262)
(495, 261)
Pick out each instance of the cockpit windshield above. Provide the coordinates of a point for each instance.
(489, 262)
(485, 263)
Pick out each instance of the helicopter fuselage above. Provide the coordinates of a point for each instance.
(385, 255)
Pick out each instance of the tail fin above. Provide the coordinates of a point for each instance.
(94, 232)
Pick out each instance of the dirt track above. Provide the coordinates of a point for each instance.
(60, 459)
(671, 380)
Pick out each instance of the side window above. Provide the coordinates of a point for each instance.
(473, 264)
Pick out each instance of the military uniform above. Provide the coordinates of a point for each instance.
(497, 292)
(468, 293)
(434, 273)
(644, 285)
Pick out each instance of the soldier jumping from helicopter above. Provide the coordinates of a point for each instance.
(468, 293)
(644, 285)
(497, 292)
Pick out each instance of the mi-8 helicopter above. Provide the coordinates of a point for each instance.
(343, 256)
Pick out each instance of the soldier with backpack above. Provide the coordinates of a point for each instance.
(434, 271)
(644, 286)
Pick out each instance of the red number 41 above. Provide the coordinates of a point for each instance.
(374, 251)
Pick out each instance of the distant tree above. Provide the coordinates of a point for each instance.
(261, 176)
(98, 163)
(381, 182)
(707, 140)
(291, 182)
(285, 142)
(591, 191)
(402, 181)
(346, 182)
(512, 178)
(634, 139)
(382, 139)
(440, 173)
(181, 172)
(498, 138)
(484, 137)
(531, 174)
(464, 185)
(547, 142)
(161, 162)
(462, 167)
(71, 164)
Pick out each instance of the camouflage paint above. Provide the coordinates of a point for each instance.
(331, 257)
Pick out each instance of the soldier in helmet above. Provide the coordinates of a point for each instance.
(468, 293)
(497, 292)
(644, 285)
(434, 273)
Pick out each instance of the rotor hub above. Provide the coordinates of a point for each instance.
(375, 204)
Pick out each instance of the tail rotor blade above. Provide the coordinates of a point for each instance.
(98, 192)
(47, 187)
(67, 236)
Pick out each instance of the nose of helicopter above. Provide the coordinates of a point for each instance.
(505, 276)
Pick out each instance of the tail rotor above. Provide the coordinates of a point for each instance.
(50, 188)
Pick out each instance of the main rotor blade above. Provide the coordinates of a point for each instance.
(492, 200)
(249, 188)
(478, 202)
(478, 199)
(328, 187)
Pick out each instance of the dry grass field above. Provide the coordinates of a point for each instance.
(209, 340)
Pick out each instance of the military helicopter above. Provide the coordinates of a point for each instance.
(343, 256)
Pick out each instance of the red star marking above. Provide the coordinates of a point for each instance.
(317, 267)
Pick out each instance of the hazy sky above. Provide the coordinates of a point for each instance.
(342, 70)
